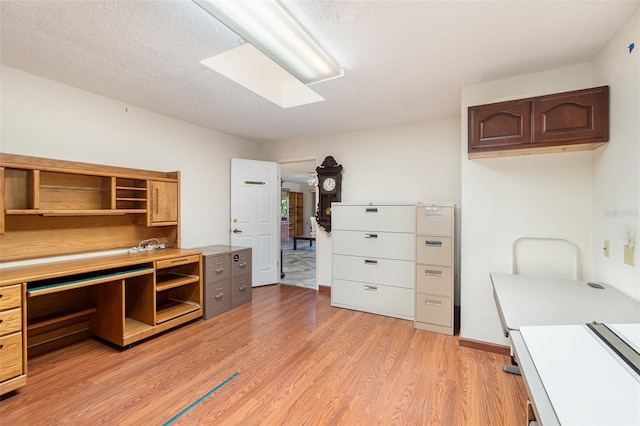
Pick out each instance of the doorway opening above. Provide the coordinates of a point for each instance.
(298, 226)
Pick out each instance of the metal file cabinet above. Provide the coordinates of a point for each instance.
(435, 267)
(373, 258)
(227, 278)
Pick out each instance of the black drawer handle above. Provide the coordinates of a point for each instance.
(433, 243)
(1, 295)
(1, 346)
(1, 320)
(370, 262)
(371, 236)
(371, 210)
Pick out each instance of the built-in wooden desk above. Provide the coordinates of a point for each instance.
(120, 298)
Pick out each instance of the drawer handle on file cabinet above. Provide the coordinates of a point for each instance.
(370, 287)
(370, 262)
(371, 210)
(372, 236)
(433, 243)
(433, 302)
(219, 270)
(242, 265)
(242, 288)
(432, 273)
(218, 296)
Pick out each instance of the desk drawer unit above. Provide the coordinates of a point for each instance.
(217, 287)
(12, 338)
(373, 258)
(435, 267)
(241, 277)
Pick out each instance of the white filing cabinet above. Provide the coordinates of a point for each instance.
(373, 258)
(435, 270)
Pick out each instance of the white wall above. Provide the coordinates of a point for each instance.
(616, 176)
(44, 118)
(414, 162)
(509, 197)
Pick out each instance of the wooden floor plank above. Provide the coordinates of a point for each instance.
(299, 361)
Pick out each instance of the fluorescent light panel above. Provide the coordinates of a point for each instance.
(270, 28)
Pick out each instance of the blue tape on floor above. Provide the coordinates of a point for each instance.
(197, 401)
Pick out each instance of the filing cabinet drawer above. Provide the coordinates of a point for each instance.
(10, 321)
(386, 245)
(378, 299)
(10, 297)
(434, 280)
(240, 290)
(10, 356)
(217, 298)
(217, 268)
(433, 310)
(434, 250)
(396, 273)
(240, 262)
(434, 220)
(384, 218)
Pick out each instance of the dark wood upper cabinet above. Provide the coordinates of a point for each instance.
(570, 121)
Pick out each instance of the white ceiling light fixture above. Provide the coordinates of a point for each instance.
(268, 26)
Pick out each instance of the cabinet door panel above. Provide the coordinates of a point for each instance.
(499, 125)
(580, 116)
(164, 203)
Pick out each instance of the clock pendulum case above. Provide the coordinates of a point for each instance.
(329, 190)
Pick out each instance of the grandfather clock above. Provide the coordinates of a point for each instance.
(329, 189)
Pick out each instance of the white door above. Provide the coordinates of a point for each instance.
(255, 215)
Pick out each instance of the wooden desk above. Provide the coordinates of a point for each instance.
(310, 238)
(121, 298)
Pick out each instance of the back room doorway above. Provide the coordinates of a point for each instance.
(298, 227)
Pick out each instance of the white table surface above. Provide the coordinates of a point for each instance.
(524, 300)
(575, 379)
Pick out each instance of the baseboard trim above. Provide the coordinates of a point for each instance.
(484, 346)
(325, 290)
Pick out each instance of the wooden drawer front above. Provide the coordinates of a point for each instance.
(378, 299)
(433, 310)
(434, 250)
(183, 260)
(388, 245)
(10, 297)
(434, 220)
(370, 218)
(10, 356)
(217, 268)
(10, 321)
(217, 298)
(240, 262)
(434, 280)
(396, 273)
(240, 290)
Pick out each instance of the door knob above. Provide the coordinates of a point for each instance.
(236, 231)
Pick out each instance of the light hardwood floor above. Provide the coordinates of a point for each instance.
(299, 362)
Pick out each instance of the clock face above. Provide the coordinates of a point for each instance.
(329, 184)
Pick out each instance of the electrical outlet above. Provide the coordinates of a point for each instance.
(629, 255)
(606, 248)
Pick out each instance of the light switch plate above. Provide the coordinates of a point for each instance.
(629, 255)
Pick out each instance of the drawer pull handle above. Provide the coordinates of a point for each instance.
(219, 270)
(242, 288)
(433, 302)
(1, 346)
(218, 296)
(182, 259)
(432, 273)
(242, 265)
(371, 236)
(370, 288)
(1, 320)
(1, 295)
(371, 210)
(433, 243)
(370, 262)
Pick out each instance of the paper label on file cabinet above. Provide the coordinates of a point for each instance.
(373, 217)
(396, 273)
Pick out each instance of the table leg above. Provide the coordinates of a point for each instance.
(295, 243)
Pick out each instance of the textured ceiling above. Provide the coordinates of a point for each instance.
(405, 61)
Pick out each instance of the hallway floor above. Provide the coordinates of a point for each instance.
(299, 266)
